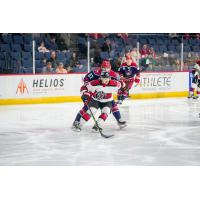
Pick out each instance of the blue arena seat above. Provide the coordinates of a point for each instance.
(28, 70)
(16, 47)
(186, 48)
(27, 63)
(27, 39)
(26, 55)
(172, 48)
(7, 39)
(39, 55)
(60, 55)
(195, 48)
(28, 47)
(37, 63)
(163, 48)
(47, 55)
(15, 55)
(17, 39)
(68, 55)
(5, 48)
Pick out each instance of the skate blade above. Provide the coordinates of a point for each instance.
(76, 130)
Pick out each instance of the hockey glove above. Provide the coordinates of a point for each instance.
(86, 97)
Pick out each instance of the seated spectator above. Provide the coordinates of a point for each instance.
(135, 54)
(48, 69)
(74, 59)
(107, 46)
(62, 46)
(197, 36)
(42, 48)
(116, 63)
(152, 53)
(60, 69)
(187, 36)
(144, 51)
(52, 44)
(53, 59)
(79, 68)
(177, 65)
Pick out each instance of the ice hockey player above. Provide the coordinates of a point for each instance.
(129, 74)
(99, 95)
(94, 75)
(195, 81)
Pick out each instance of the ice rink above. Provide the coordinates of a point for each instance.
(159, 132)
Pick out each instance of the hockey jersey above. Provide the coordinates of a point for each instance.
(103, 93)
(130, 72)
(95, 74)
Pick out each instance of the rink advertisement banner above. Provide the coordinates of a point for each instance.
(30, 86)
(17, 89)
(162, 82)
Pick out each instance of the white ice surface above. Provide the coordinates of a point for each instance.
(159, 132)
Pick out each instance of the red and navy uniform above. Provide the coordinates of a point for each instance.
(129, 74)
(94, 75)
(102, 97)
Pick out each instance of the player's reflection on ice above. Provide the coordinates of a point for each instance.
(159, 132)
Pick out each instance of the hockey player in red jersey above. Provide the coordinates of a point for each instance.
(99, 95)
(94, 75)
(129, 74)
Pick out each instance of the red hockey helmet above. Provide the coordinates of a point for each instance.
(198, 62)
(106, 66)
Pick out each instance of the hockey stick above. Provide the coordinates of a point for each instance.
(95, 121)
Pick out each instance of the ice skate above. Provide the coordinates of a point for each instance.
(96, 128)
(191, 96)
(195, 97)
(122, 124)
(76, 126)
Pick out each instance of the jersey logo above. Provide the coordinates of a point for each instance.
(100, 95)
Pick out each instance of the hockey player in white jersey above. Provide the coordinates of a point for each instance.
(99, 95)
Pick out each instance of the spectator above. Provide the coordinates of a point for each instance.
(135, 54)
(116, 63)
(42, 48)
(60, 69)
(197, 36)
(144, 51)
(107, 46)
(62, 46)
(73, 60)
(48, 69)
(152, 53)
(177, 65)
(79, 67)
(53, 59)
(187, 36)
(52, 44)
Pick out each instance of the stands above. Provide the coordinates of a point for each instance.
(16, 49)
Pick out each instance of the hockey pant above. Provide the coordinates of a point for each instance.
(114, 110)
(94, 106)
(123, 93)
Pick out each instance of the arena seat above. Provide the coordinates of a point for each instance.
(5, 48)
(16, 47)
(17, 39)
(26, 55)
